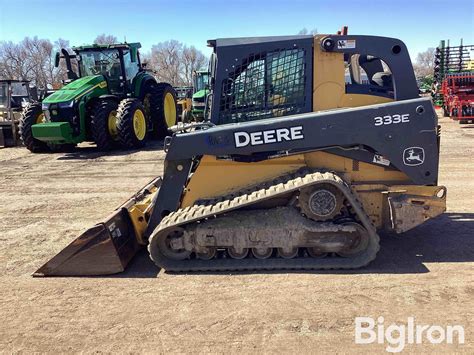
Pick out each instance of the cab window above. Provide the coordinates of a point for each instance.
(265, 85)
(368, 75)
(131, 69)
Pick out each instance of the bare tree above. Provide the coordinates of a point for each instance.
(105, 39)
(32, 59)
(41, 61)
(305, 31)
(14, 61)
(174, 62)
(28, 60)
(424, 64)
(59, 74)
(165, 61)
(192, 59)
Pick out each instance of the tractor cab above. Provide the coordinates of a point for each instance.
(118, 64)
(200, 92)
(14, 96)
(193, 105)
(200, 80)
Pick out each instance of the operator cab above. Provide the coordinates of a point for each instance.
(117, 63)
(266, 77)
(200, 80)
(14, 94)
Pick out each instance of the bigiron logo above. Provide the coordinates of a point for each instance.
(396, 336)
(270, 136)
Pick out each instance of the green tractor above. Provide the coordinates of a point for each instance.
(112, 101)
(199, 97)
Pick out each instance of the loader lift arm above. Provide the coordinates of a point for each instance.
(347, 128)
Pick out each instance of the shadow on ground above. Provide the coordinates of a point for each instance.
(90, 151)
(446, 239)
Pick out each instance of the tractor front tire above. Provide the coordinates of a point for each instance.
(32, 114)
(104, 124)
(132, 124)
(167, 109)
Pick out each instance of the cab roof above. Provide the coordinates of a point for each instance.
(95, 47)
(223, 42)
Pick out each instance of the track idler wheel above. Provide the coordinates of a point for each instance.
(321, 202)
(166, 246)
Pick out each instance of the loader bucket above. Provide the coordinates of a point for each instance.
(107, 247)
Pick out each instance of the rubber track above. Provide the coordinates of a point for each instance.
(265, 191)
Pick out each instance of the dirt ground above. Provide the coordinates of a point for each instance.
(46, 200)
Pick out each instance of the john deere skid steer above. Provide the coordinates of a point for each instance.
(300, 167)
(111, 101)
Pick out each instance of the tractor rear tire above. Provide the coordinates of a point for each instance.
(167, 110)
(32, 114)
(104, 124)
(151, 103)
(132, 124)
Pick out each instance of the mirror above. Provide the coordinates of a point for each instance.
(212, 68)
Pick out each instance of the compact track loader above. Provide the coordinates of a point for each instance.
(303, 162)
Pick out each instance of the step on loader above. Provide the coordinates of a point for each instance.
(301, 165)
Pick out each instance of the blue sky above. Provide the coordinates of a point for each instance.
(420, 24)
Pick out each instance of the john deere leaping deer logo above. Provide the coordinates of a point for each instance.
(413, 156)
